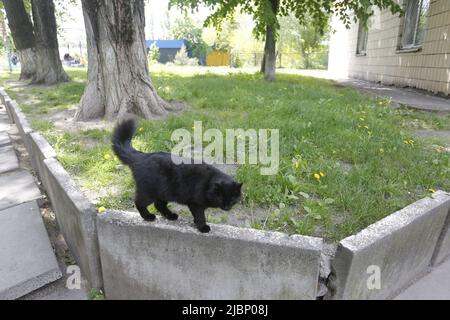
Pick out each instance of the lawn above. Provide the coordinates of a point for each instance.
(346, 160)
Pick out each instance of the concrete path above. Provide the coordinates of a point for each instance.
(433, 286)
(28, 266)
(399, 96)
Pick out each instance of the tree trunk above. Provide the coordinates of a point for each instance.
(269, 60)
(118, 80)
(49, 68)
(19, 23)
(270, 56)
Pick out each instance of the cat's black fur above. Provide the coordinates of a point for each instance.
(159, 180)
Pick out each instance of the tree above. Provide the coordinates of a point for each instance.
(49, 68)
(22, 32)
(185, 28)
(266, 13)
(304, 38)
(118, 77)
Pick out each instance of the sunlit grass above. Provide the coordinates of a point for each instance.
(346, 160)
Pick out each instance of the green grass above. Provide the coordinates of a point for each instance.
(371, 163)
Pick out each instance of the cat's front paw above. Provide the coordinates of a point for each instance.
(204, 229)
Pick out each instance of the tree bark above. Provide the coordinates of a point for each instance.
(270, 56)
(118, 79)
(268, 64)
(49, 68)
(19, 23)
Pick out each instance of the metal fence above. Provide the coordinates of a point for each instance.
(293, 60)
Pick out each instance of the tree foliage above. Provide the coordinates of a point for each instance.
(263, 14)
(187, 29)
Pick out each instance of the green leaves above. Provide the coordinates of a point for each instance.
(267, 12)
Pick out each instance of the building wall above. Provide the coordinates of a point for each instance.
(167, 54)
(427, 69)
(218, 58)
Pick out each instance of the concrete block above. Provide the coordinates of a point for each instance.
(3, 95)
(442, 251)
(26, 262)
(8, 159)
(172, 260)
(433, 286)
(17, 187)
(399, 246)
(76, 218)
(19, 119)
(7, 100)
(39, 149)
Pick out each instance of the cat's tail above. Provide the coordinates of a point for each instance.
(121, 140)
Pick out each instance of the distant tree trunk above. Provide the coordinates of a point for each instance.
(49, 68)
(118, 80)
(270, 56)
(19, 23)
(268, 64)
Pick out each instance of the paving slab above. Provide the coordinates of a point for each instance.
(401, 96)
(4, 126)
(17, 187)
(4, 139)
(8, 159)
(27, 260)
(443, 135)
(434, 286)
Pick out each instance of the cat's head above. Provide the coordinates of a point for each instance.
(224, 194)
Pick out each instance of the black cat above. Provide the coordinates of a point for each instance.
(159, 180)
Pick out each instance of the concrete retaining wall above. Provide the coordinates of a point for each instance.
(4, 98)
(164, 260)
(39, 150)
(442, 251)
(399, 246)
(76, 218)
(20, 120)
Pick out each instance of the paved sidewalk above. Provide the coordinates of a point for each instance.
(433, 286)
(413, 98)
(28, 265)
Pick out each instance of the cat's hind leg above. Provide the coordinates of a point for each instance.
(161, 206)
(142, 202)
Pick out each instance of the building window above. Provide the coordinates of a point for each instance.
(361, 46)
(415, 21)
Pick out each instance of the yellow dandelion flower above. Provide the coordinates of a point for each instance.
(296, 164)
(381, 150)
(362, 119)
(322, 174)
(317, 176)
(141, 129)
(106, 156)
(366, 126)
(101, 209)
(432, 190)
